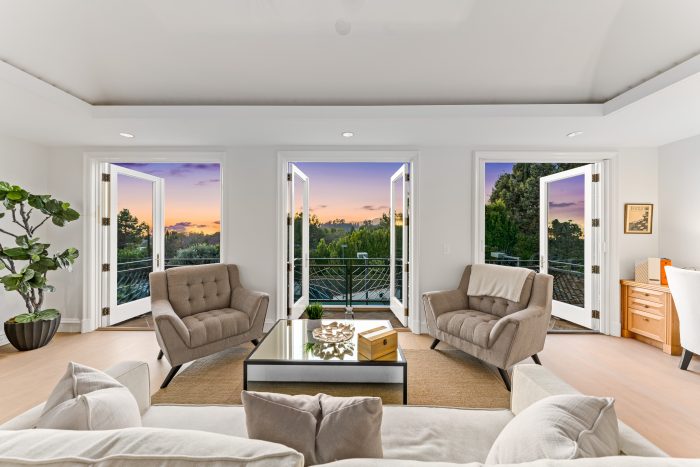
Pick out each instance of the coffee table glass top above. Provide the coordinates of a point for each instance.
(292, 341)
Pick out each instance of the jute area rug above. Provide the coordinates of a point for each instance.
(443, 377)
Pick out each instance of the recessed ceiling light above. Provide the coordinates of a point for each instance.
(574, 134)
(126, 135)
(348, 134)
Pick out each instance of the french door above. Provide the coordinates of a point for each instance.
(298, 247)
(136, 236)
(398, 245)
(569, 242)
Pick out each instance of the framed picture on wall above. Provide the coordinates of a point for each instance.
(638, 218)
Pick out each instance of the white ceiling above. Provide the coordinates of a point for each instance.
(283, 52)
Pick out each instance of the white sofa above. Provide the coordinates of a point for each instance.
(409, 433)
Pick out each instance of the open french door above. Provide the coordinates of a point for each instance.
(298, 248)
(569, 242)
(398, 233)
(136, 239)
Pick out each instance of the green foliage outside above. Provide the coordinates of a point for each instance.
(29, 261)
(194, 254)
(513, 213)
(327, 242)
(314, 311)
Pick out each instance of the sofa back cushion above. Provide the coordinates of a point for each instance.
(141, 447)
(496, 305)
(194, 289)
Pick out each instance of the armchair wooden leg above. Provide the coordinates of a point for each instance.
(255, 342)
(171, 375)
(685, 359)
(505, 377)
(160, 355)
(434, 344)
(536, 359)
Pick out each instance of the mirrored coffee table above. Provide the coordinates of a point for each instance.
(289, 353)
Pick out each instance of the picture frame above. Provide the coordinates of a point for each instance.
(639, 218)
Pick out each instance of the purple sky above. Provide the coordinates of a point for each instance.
(192, 195)
(354, 191)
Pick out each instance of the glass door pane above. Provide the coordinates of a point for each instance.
(298, 247)
(398, 244)
(566, 240)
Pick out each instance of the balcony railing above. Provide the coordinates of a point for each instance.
(569, 277)
(348, 281)
(132, 276)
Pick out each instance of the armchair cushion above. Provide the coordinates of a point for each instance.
(500, 306)
(470, 325)
(211, 326)
(195, 289)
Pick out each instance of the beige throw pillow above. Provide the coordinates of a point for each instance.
(88, 399)
(322, 427)
(566, 426)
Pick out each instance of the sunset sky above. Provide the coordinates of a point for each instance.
(354, 191)
(192, 195)
(566, 197)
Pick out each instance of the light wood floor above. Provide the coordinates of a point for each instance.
(652, 394)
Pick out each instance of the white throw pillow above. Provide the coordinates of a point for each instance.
(88, 399)
(140, 447)
(567, 426)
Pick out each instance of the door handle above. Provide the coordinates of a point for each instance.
(158, 260)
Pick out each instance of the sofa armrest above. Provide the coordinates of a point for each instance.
(526, 320)
(249, 302)
(135, 376)
(167, 321)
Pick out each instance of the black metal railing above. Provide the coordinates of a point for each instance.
(132, 276)
(569, 277)
(349, 281)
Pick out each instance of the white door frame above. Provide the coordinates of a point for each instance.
(579, 315)
(298, 307)
(398, 307)
(609, 217)
(94, 248)
(407, 156)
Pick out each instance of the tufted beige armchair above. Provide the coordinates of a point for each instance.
(202, 310)
(495, 330)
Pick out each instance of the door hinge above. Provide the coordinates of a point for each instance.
(596, 222)
(105, 267)
(289, 177)
(289, 312)
(106, 221)
(289, 219)
(408, 177)
(405, 311)
(289, 266)
(596, 178)
(595, 314)
(105, 311)
(106, 177)
(596, 269)
(405, 268)
(407, 220)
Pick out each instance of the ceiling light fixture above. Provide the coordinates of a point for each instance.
(126, 135)
(348, 134)
(574, 134)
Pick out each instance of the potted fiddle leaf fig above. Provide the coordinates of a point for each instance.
(26, 261)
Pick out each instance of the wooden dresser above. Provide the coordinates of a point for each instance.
(649, 315)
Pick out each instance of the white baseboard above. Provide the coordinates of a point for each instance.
(3, 339)
(70, 325)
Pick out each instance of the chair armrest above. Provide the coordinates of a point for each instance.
(135, 376)
(526, 319)
(445, 301)
(249, 301)
(165, 318)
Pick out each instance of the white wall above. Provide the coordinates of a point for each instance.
(444, 224)
(679, 183)
(22, 164)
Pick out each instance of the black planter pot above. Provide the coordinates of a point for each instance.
(30, 336)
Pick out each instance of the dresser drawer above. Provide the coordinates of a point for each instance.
(646, 294)
(647, 324)
(646, 306)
